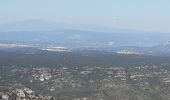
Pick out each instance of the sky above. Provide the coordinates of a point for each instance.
(145, 15)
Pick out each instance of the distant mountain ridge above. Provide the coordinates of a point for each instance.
(43, 25)
(85, 37)
(28, 25)
(49, 32)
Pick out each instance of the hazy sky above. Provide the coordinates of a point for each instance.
(147, 15)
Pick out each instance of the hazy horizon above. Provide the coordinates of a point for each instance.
(151, 16)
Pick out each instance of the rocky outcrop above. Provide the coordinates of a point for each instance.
(21, 93)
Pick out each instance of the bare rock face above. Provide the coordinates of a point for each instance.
(21, 93)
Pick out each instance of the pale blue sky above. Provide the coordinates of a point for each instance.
(146, 15)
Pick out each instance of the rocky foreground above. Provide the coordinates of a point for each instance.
(21, 93)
